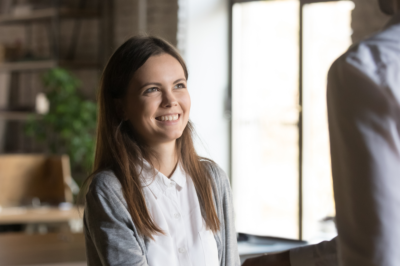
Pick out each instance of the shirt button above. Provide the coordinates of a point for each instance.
(171, 184)
(177, 215)
(182, 250)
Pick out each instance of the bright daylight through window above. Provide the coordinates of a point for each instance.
(266, 110)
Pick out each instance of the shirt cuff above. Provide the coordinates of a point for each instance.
(302, 256)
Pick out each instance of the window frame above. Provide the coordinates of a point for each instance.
(300, 91)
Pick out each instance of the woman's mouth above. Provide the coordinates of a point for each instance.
(171, 117)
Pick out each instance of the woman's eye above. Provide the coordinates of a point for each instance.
(180, 86)
(149, 90)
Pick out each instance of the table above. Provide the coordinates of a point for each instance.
(45, 250)
(254, 246)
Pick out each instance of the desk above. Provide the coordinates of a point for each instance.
(49, 249)
(20, 215)
(253, 246)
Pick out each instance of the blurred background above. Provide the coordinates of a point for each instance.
(257, 79)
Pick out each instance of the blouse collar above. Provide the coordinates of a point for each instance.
(158, 183)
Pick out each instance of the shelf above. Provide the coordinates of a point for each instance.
(14, 115)
(28, 65)
(45, 64)
(46, 14)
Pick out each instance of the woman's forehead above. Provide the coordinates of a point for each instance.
(159, 68)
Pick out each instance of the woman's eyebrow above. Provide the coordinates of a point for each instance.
(159, 84)
(178, 80)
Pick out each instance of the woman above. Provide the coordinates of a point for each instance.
(152, 200)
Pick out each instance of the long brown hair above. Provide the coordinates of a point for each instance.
(118, 149)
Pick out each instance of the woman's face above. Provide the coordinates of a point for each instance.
(157, 102)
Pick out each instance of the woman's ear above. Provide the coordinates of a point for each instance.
(119, 108)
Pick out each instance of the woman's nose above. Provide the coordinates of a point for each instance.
(169, 99)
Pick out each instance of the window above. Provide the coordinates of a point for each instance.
(280, 144)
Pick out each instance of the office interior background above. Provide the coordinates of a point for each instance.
(257, 79)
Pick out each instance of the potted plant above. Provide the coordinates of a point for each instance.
(70, 123)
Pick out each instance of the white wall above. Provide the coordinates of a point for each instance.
(203, 40)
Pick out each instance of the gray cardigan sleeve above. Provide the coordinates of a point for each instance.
(232, 254)
(224, 206)
(110, 235)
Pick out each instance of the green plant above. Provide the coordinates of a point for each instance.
(69, 125)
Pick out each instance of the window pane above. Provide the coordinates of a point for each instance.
(265, 117)
(327, 34)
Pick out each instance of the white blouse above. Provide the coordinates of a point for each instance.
(174, 207)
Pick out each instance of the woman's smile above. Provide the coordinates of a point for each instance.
(168, 118)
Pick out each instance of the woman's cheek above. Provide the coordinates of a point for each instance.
(186, 103)
(151, 106)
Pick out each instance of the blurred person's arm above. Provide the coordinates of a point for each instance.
(364, 125)
(322, 254)
(277, 259)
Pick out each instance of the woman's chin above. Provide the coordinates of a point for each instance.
(172, 137)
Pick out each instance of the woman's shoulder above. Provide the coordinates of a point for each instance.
(106, 184)
(217, 173)
(105, 179)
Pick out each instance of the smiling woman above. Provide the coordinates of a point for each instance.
(151, 199)
(157, 102)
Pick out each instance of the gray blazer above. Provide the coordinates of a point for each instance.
(112, 237)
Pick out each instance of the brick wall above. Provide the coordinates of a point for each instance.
(161, 19)
(125, 20)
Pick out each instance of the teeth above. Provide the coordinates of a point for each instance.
(168, 117)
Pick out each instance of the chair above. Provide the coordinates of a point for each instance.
(26, 178)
